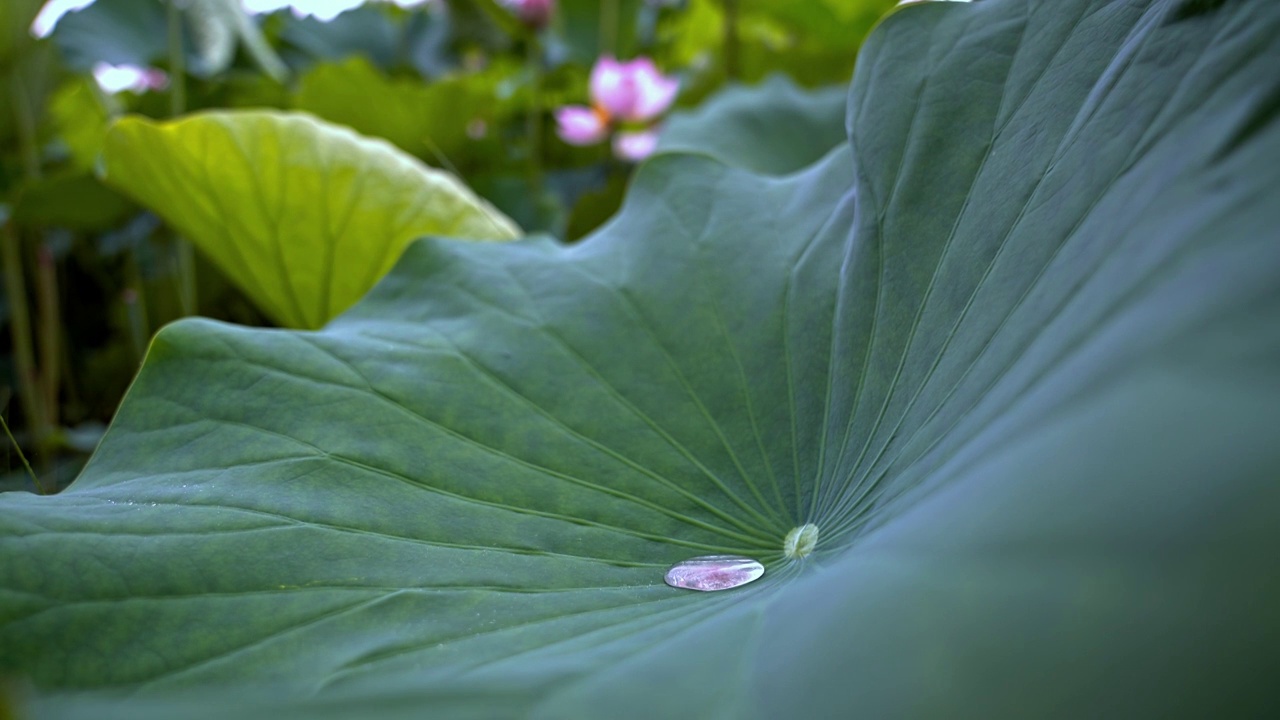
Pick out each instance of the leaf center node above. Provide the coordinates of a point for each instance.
(800, 541)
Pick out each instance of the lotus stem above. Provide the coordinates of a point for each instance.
(186, 260)
(20, 334)
(177, 61)
(731, 44)
(50, 333)
(609, 27)
(35, 480)
(135, 315)
(533, 119)
(134, 298)
(29, 394)
(25, 122)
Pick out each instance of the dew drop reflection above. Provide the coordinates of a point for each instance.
(709, 573)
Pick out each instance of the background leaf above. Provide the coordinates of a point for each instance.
(219, 27)
(80, 113)
(813, 42)
(119, 32)
(774, 127)
(367, 30)
(71, 200)
(302, 215)
(420, 119)
(1018, 361)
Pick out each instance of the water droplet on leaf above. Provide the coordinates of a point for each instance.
(714, 572)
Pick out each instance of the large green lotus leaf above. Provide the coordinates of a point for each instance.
(1018, 360)
(775, 127)
(404, 462)
(304, 216)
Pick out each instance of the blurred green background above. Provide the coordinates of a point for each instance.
(466, 86)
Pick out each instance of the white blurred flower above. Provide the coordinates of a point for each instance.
(635, 146)
(118, 78)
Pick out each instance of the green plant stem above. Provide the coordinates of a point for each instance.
(25, 122)
(533, 119)
(439, 156)
(135, 305)
(177, 61)
(35, 480)
(30, 395)
(731, 42)
(20, 335)
(135, 315)
(178, 105)
(186, 259)
(609, 27)
(49, 330)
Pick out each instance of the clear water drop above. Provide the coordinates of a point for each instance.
(709, 573)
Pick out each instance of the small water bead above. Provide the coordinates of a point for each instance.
(709, 573)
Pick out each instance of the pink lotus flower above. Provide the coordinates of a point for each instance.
(632, 91)
(622, 94)
(580, 125)
(534, 13)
